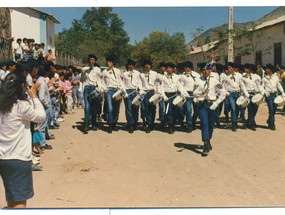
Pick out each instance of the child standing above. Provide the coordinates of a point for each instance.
(69, 100)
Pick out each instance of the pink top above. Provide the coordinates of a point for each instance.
(68, 88)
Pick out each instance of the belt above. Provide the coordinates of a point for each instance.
(206, 100)
(234, 91)
(113, 88)
(189, 91)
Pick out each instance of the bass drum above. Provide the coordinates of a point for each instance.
(137, 100)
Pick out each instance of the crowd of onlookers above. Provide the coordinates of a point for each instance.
(59, 94)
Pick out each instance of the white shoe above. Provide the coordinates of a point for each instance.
(36, 161)
(60, 119)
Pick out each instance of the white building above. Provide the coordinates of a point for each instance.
(264, 43)
(31, 23)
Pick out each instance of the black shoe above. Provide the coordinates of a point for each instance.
(110, 129)
(104, 117)
(170, 130)
(189, 129)
(253, 128)
(115, 128)
(94, 128)
(147, 130)
(234, 126)
(131, 129)
(205, 149)
(210, 146)
(194, 126)
(273, 127)
(86, 129)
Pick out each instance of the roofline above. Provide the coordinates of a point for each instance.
(47, 14)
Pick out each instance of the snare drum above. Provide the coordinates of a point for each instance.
(137, 100)
(242, 101)
(257, 98)
(179, 101)
(118, 95)
(280, 101)
(155, 99)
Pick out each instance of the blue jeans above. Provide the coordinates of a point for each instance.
(161, 110)
(148, 110)
(44, 127)
(77, 95)
(131, 111)
(207, 117)
(170, 115)
(252, 110)
(272, 107)
(113, 107)
(90, 106)
(55, 108)
(188, 110)
(233, 106)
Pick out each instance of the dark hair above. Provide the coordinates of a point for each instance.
(11, 90)
(67, 75)
(19, 40)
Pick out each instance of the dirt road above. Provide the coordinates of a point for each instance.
(245, 168)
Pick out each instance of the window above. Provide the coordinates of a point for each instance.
(277, 53)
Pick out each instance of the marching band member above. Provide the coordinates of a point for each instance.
(206, 93)
(90, 79)
(112, 79)
(188, 80)
(271, 86)
(234, 86)
(132, 82)
(148, 111)
(170, 84)
(252, 84)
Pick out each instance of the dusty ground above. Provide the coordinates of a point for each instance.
(245, 168)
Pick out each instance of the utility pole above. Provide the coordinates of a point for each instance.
(230, 36)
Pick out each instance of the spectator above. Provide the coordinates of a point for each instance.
(15, 150)
(50, 56)
(18, 50)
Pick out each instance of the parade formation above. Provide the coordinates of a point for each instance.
(182, 95)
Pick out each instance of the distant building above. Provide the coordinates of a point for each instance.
(264, 43)
(32, 23)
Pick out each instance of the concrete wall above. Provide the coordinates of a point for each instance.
(262, 40)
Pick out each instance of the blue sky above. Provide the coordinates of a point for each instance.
(141, 21)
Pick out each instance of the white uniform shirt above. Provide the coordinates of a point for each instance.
(208, 89)
(112, 77)
(90, 76)
(188, 80)
(131, 79)
(271, 84)
(170, 83)
(15, 133)
(148, 80)
(252, 82)
(233, 82)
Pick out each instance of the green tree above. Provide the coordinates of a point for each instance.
(100, 31)
(160, 46)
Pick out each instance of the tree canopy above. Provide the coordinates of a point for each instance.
(100, 31)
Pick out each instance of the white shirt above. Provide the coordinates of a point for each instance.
(43, 92)
(90, 76)
(148, 80)
(207, 89)
(29, 80)
(271, 84)
(170, 83)
(15, 134)
(252, 82)
(131, 79)
(188, 80)
(233, 82)
(112, 77)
